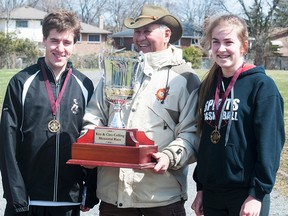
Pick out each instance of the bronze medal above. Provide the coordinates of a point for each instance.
(215, 136)
(54, 126)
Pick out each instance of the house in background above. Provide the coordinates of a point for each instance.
(278, 58)
(92, 39)
(191, 37)
(279, 38)
(26, 22)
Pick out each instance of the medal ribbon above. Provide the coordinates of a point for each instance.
(54, 104)
(218, 108)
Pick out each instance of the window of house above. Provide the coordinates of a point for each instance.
(177, 43)
(93, 38)
(121, 42)
(79, 39)
(194, 41)
(21, 24)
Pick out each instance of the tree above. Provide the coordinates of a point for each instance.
(26, 50)
(281, 14)
(6, 47)
(12, 48)
(196, 11)
(118, 10)
(91, 10)
(260, 21)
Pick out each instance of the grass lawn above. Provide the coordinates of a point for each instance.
(281, 80)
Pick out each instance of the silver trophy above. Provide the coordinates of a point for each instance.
(120, 75)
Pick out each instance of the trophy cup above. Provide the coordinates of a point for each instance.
(120, 75)
(115, 145)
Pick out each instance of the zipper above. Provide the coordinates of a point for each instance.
(57, 146)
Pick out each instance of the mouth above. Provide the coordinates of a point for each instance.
(143, 45)
(57, 56)
(223, 56)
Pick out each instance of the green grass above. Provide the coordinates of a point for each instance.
(5, 76)
(281, 80)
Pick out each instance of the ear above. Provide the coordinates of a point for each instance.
(44, 40)
(167, 35)
(244, 49)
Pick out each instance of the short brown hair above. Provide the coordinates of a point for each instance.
(61, 20)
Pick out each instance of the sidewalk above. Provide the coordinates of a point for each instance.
(278, 206)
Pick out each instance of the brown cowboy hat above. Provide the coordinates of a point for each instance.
(156, 15)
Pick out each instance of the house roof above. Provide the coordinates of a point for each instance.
(27, 13)
(279, 33)
(122, 34)
(280, 38)
(86, 28)
(189, 31)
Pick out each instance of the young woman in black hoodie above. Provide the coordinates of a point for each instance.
(241, 122)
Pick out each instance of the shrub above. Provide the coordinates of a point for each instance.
(194, 55)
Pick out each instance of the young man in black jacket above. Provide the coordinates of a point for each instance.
(41, 118)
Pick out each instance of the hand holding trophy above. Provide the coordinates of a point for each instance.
(120, 75)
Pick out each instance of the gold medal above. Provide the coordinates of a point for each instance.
(54, 126)
(215, 136)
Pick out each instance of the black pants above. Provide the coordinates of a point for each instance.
(175, 209)
(46, 211)
(229, 202)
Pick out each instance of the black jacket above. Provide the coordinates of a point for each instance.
(33, 159)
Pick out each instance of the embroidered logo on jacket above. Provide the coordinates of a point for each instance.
(75, 107)
(161, 94)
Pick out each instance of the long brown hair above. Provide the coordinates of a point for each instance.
(210, 77)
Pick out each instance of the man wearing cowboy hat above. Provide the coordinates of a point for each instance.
(164, 107)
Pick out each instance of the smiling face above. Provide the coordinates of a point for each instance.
(151, 38)
(227, 49)
(59, 47)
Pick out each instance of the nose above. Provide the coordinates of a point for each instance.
(221, 47)
(140, 36)
(60, 47)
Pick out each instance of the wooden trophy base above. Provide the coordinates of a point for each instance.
(134, 154)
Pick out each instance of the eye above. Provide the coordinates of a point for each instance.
(147, 31)
(54, 40)
(67, 43)
(229, 42)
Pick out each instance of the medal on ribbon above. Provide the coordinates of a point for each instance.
(215, 135)
(54, 125)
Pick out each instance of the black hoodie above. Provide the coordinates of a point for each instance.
(250, 156)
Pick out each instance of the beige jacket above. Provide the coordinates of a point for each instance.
(171, 124)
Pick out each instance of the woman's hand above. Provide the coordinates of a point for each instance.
(197, 204)
(84, 208)
(251, 207)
